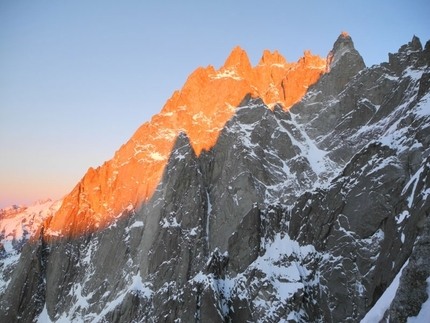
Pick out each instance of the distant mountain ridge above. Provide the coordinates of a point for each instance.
(285, 192)
(19, 222)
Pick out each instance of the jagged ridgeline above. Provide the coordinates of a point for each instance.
(284, 192)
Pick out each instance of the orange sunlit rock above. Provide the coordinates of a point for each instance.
(201, 109)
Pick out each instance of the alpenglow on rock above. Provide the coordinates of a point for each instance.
(284, 192)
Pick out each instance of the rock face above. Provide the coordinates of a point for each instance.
(201, 109)
(250, 211)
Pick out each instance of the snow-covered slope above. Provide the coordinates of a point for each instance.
(17, 224)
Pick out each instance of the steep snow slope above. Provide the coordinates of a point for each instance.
(300, 215)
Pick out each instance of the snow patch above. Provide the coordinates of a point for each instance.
(157, 156)
(423, 108)
(169, 223)
(138, 286)
(377, 311)
(208, 217)
(137, 224)
(44, 317)
(404, 215)
(228, 73)
(314, 155)
(414, 181)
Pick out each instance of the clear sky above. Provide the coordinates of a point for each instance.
(77, 78)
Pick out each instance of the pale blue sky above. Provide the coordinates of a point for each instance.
(77, 78)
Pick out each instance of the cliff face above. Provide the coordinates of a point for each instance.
(234, 204)
(200, 110)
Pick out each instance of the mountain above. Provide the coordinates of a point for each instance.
(17, 224)
(284, 192)
(200, 110)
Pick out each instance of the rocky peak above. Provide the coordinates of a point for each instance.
(269, 59)
(413, 46)
(344, 46)
(409, 55)
(200, 109)
(308, 58)
(343, 62)
(238, 60)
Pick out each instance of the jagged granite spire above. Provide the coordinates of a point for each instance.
(343, 62)
(407, 55)
(344, 46)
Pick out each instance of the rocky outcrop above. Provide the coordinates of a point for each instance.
(300, 215)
